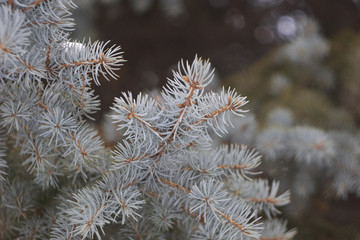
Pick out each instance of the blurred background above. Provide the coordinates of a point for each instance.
(296, 60)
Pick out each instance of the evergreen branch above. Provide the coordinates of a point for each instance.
(102, 60)
(194, 215)
(233, 222)
(184, 106)
(143, 110)
(228, 107)
(27, 65)
(209, 201)
(7, 50)
(78, 145)
(174, 185)
(237, 166)
(276, 230)
(164, 157)
(33, 5)
(263, 200)
(82, 92)
(39, 159)
(48, 61)
(261, 195)
(138, 118)
(42, 105)
(51, 23)
(138, 234)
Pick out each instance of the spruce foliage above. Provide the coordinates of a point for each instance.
(163, 180)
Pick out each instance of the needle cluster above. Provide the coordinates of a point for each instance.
(162, 181)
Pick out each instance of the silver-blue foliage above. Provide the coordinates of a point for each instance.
(57, 179)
